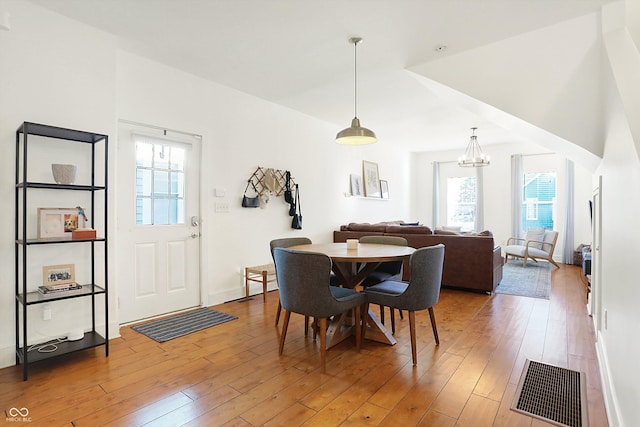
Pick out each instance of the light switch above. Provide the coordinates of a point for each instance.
(222, 207)
(220, 192)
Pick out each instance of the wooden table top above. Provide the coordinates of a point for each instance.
(366, 252)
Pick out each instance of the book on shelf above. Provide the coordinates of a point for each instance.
(62, 286)
(73, 289)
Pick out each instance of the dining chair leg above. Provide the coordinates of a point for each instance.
(382, 314)
(278, 312)
(285, 326)
(323, 345)
(306, 325)
(412, 330)
(358, 327)
(434, 326)
(393, 320)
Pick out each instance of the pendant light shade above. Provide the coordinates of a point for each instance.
(355, 134)
(473, 156)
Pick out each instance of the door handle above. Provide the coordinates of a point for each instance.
(195, 235)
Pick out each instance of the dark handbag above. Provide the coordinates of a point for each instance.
(296, 222)
(288, 197)
(250, 202)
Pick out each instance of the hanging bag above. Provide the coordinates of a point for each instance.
(250, 202)
(288, 197)
(296, 222)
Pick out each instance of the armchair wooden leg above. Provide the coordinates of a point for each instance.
(306, 325)
(412, 330)
(285, 326)
(323, 345)
(432, 316)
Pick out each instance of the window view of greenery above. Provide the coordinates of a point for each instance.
(159, 184)
(461, 202)
(539, 200)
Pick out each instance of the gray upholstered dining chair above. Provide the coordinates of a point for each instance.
(422, 292)
(304, 288)
(287, 242)
(391, 270)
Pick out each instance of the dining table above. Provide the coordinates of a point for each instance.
(351, 267)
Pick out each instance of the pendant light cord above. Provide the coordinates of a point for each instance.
(355, 78)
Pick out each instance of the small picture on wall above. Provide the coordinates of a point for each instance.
(384, 189)
(356, 185)
(371, 179)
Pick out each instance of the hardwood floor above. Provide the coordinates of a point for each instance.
(231, 374)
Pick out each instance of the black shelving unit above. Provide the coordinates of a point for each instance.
(26, 298)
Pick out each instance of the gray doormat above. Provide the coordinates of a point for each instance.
(553, 394)
(534, 280)
(182, 324)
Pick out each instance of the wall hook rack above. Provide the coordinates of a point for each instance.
(278, 177)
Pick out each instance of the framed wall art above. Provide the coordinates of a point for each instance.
(371, 179)
(356, 185)
(58, 223)
(384, 189)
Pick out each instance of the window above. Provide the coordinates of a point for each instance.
(461, 202)
(539, 200)
(159, 184)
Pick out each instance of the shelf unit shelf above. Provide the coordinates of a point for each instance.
(90, 340)
(24, 298)
(36, 297)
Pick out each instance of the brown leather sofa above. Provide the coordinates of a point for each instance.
(471, 261)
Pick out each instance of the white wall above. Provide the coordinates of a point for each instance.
(618, 344)
(54, 71)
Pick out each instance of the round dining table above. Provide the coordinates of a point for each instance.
(351, 267)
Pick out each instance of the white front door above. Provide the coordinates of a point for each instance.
(158, 209)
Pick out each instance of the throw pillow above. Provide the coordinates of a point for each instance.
(536, 234)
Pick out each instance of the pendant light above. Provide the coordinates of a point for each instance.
(355, 134)
(473, 156)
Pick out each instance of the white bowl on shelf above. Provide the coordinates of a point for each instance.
(64, 174)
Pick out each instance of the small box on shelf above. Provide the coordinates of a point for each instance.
(83, 234)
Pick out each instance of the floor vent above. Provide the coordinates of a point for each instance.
(553, 394)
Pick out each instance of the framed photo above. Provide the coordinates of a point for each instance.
(356, 185)
(58, 223)
(53, 275)
(384, 189)
(371, 179)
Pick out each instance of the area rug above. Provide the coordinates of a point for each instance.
(534, 280)
(182, 324)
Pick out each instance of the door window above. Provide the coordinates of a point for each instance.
(159, 184)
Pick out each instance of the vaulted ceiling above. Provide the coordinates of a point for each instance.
(296, 53)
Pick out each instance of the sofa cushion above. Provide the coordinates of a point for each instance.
(536, 234)
(446, 232)
(408, 229)
(486, 233)
(354, 226)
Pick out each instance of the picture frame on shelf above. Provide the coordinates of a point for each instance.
(356, 185)
(384, 189)
(57, 275)
(58, 223)
(371, 179)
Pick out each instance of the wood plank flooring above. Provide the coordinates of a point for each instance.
(231, 374)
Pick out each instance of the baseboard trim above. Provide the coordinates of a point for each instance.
(609, 393)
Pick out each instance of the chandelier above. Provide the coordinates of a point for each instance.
(473, 156)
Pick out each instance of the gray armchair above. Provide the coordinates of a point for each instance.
(304, 289)
(422, 292)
